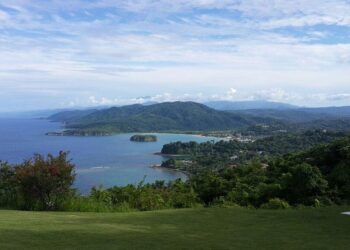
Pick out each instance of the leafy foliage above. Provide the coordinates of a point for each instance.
(316, 177)
(148, 197)
(276, 204)
(8, 195)
(176, 116)
(39, 183)
(210, 155)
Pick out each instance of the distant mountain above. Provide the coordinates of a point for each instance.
(343, 111)
(70, 115)
(30, 114)
(299, 115)
(290, 115)
(190, 116)
(49, 113)
(170, 116)
(246, 105)
(339, 124)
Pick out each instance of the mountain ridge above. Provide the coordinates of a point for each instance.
(181, 116)
(246, 105)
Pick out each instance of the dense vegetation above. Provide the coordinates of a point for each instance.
(211, 155)
(267, 118)
(298, 114)
(70, 115)
(330, 118)
(177, 116)
(319, 176)
(249, 105)
(37, 184)
(197, 229)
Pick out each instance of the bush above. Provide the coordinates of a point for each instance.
(44, 183)
(8, 195)
(223, 203)
(182, 195)
(276, 203)
(209, 186)
(88, 204)
(303, 183)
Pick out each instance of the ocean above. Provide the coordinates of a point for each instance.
(106, 161)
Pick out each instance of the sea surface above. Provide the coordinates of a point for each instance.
(107, 161)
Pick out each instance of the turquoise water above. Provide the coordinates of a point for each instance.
(107, 161)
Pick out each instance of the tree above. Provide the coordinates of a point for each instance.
(44, 183)
(339, 180)
(7, 185)
(303, 184)
(209, 186)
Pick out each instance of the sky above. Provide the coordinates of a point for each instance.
(77, 53)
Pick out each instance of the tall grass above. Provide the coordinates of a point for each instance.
(86, 204)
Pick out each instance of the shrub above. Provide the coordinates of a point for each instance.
(303, 183)
(45, 183)
(182, 195)
(276, 203)
(101, 195)
(223, 203)
(209, 186)
(8, 195)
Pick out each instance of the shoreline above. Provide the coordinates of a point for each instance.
(169, 155)
(72, 133)
(81, 133)
(159, 166)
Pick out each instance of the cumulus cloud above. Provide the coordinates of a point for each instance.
(277, 95)
(274, 95)
(103, 101)
(94, 48)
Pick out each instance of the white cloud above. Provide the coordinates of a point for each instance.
(103, 101)
(93, 100)
(275, 95)
(3, 16)
(174, 47)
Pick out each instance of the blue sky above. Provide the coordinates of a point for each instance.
(58, 54)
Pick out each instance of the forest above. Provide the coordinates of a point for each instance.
(213, 155)
(318, 176)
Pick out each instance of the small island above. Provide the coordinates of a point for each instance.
(79, 133)
(143, 138)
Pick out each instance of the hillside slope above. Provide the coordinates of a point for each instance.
(305, 119)
(179, 116)
(246, 105)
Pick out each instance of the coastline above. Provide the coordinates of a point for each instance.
(159, 166)
(169, 155)
(79, 133)
(96, 133)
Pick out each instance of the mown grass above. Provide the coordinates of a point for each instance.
(212, 228)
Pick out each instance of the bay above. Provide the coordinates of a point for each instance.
(107, 161)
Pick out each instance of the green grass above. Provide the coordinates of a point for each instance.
(214, 228)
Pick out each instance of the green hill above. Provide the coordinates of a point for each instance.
(303, 116)
(247, 105)
(171, 116)
(70, 115)
(214, 228)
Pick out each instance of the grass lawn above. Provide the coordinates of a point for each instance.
(214, 228)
